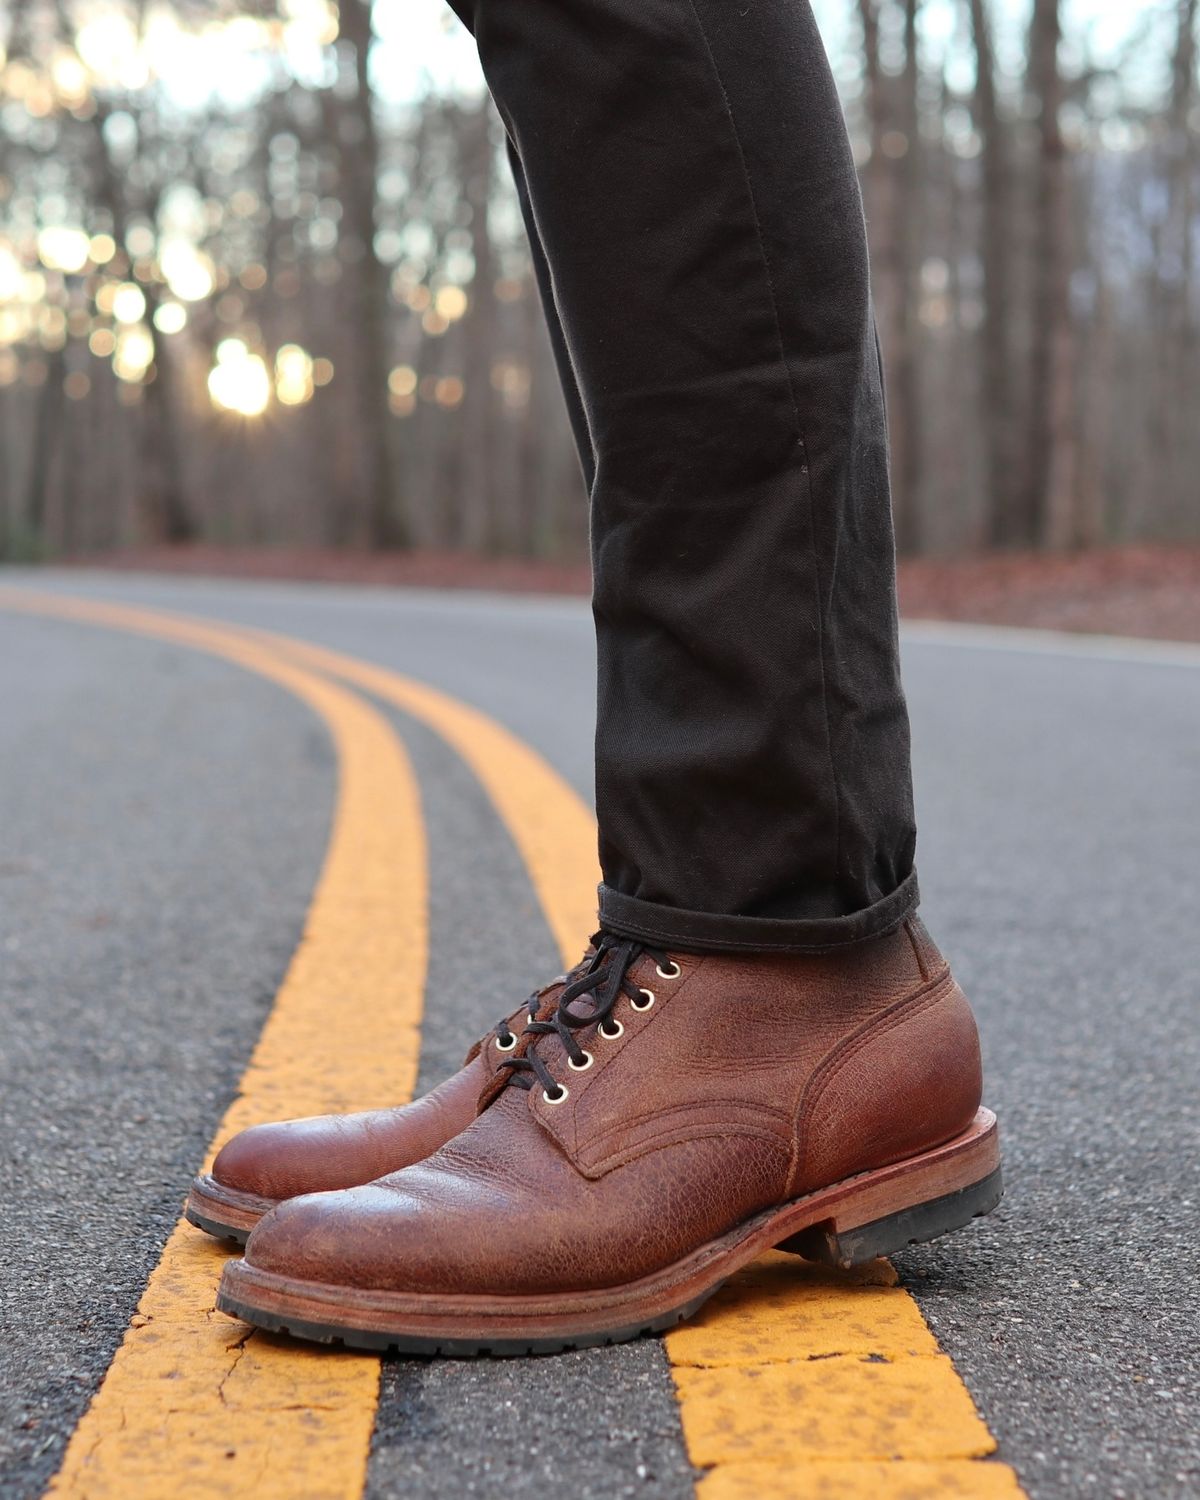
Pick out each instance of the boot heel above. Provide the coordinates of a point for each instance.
(825, 1243)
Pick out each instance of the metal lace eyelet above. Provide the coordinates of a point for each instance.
(611, 1036)
(646, 1003)
(582, 1067)
(509, 1045)
(555, 1098)
(672, 973)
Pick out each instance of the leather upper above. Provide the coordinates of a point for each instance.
(749, 1080)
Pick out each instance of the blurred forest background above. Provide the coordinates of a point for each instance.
(263, 279)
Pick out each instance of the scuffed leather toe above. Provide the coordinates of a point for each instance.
(322, 1237)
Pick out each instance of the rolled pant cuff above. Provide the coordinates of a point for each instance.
(711, 932)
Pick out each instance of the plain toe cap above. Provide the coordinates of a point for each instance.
(338, 1238)
(252, 1162)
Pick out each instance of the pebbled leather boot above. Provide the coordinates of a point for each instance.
(266, 1164)
(671, 1118)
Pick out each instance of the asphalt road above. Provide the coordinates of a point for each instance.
(162, 818)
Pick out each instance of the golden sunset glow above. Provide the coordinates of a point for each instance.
(239, 381)
(450, 302)
(64, 249)
(171, 317)
(187, 270)
(293, 375)
(11, 275)
(101, 249)
(134, 352)
(129, 303)
(402, 381)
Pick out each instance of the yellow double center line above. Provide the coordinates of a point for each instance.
(793, 1382)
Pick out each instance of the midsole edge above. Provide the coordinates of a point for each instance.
(207, 1191)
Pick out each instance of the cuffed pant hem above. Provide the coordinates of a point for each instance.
(710, 932)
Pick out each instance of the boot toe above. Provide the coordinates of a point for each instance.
(418, 1231)
(354, 1237)
(290, 1157)
(253, 1161)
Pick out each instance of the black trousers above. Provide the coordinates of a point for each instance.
(698, 234)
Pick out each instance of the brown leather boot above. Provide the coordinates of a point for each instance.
(266, 1164)
(675, 1117)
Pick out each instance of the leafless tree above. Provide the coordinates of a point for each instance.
(1035, 276)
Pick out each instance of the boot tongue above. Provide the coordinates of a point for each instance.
(582, 1008)
(547, 1005)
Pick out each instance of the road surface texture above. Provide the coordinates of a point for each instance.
(163, 817)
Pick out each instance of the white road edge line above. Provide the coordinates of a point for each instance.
(1026, 641)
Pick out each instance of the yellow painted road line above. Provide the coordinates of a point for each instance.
(193, 1403)
(845, 1368)
(890, 1480)
(796, 1381)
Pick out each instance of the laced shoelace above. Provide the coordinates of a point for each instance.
(503, 1034)
(604, 978)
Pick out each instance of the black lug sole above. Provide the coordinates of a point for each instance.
(384, 1343)
(214, 1227)
(911, 1226)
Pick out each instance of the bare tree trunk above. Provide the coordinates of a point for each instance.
(1045, 513)
(6, 480)
(480, 529)
(999, 425)
(1100, 378)
(161, 501)
(47, 425)
(161, 504)
(1178, 329)
(905, 408)
(953, 515)
(544, 425)
(385, 523)
(892, 193)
